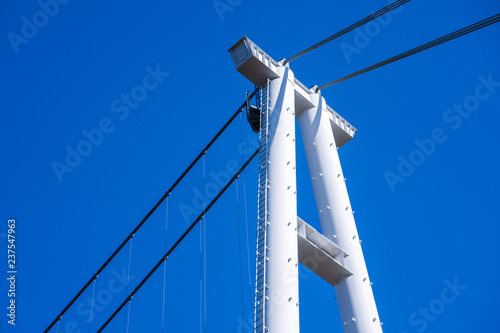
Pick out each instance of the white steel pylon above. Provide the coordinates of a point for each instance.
(336, 256)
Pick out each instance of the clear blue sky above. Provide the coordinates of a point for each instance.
(71, 74)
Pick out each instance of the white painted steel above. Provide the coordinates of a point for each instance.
(282, 305)
(355, 296)
(257, 66)
(323, 131)
(320, 254)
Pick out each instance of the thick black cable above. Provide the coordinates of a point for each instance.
(356, 25)
(166, 255)
(131, 235)
(423, 47)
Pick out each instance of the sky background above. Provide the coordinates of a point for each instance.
(67, 76)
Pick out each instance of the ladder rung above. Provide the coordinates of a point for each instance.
(256, 327)
(257, 313)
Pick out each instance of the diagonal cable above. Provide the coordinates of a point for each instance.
(131, 235)
(356, 25)
(471, 28)
(167, 254)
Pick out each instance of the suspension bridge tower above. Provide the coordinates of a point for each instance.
(283, 239)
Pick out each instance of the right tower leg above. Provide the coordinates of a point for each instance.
(355, 296)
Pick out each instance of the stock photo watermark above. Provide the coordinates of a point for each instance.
(11, 271)
(94, 137)
(225, 6)
(453, 117)
(364, 35)
(31, 26)
(426, 315)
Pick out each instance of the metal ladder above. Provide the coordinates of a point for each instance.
(262, 223)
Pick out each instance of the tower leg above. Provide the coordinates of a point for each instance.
(355, 296)
(282, 304)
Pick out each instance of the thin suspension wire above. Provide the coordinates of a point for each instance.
(164, 273)
(367, 19)
(91, 306)
(127, 314)
(239, 251)
(246, 213)
(128, 318)
(459, 33)
(203, 256)
(173, 247)
(166, 195)
(163, 304)
(128, 283)
(57, 329)
(166, 225)
(204, 266)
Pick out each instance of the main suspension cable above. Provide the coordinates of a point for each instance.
(471, 28)
(166, 255)
(166, 195)
(367, 19)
